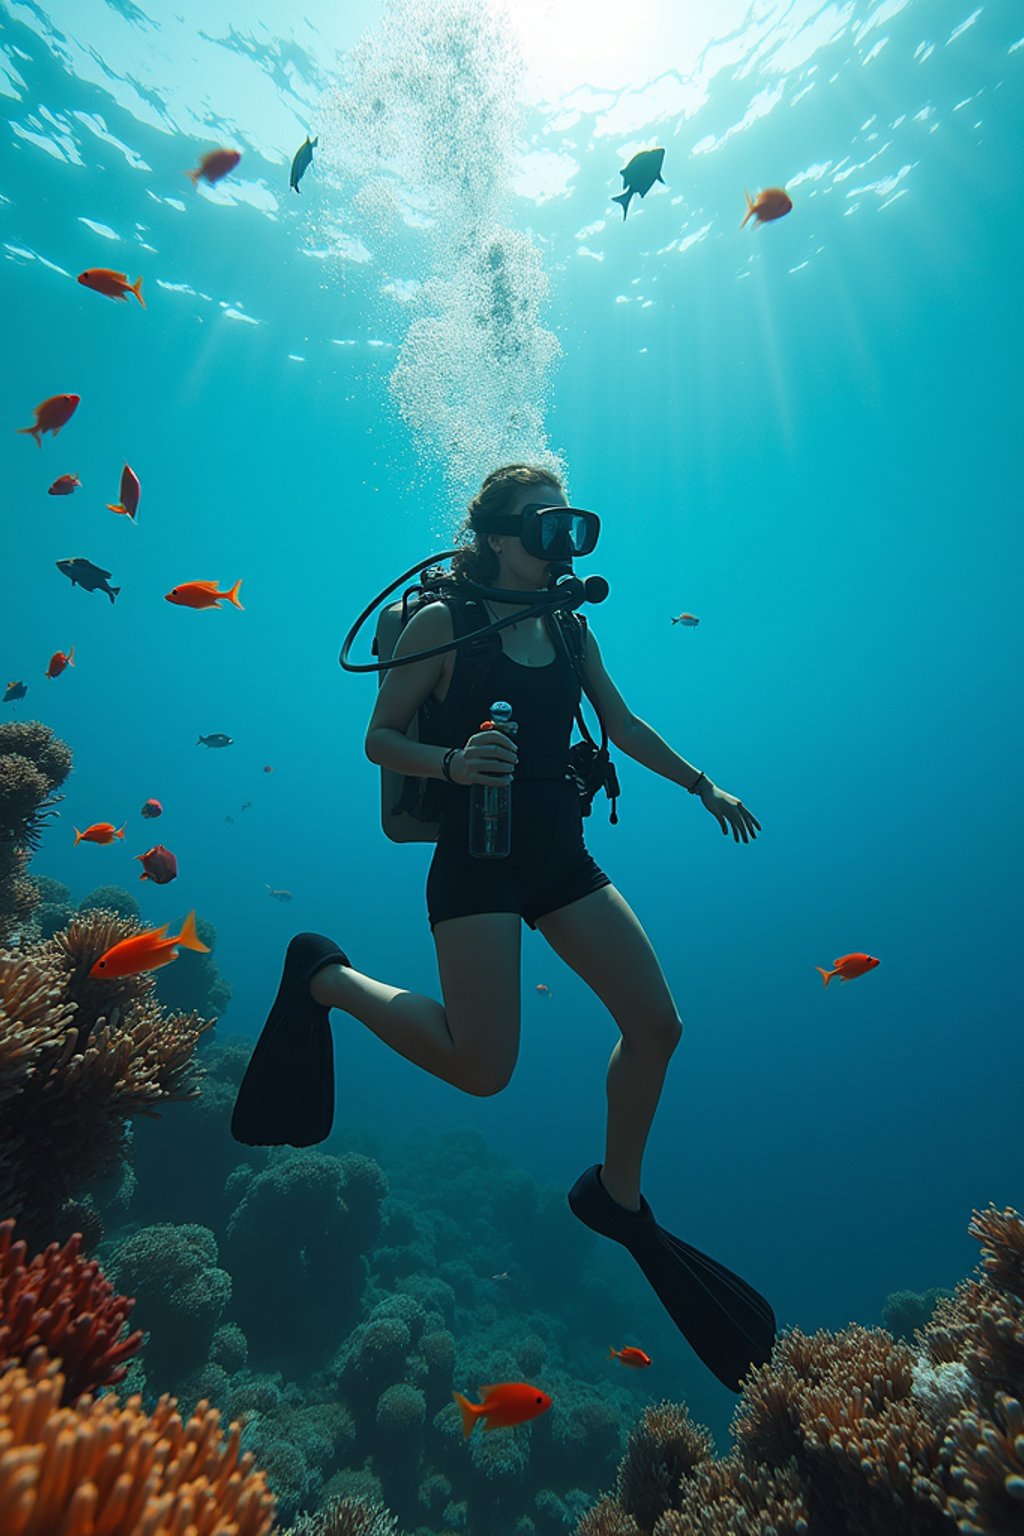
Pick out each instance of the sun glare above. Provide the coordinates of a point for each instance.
(603, 43)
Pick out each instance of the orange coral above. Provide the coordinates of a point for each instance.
(106, 1467)
(74, 1064)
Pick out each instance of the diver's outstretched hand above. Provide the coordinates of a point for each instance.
(729, 812)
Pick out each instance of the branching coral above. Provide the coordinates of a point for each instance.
(33, 764)
(852, 1432)
(982, 1325)
(77, 1058)
(64, 1303)
(347, 1517)
(1001, 1234)
(662, 1450)
(103, 1466)
(987, 1463)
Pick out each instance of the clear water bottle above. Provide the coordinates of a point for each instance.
(490, 806)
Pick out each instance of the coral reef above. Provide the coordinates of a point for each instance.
(111, 898)
(131, 1472)
(347, 1517)
(180, 1293)
(63, 1302)
(856, 1432)
(904, 1313)
(33, 765)
(334, 1203)
(78, 1058)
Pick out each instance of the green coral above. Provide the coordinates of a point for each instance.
(111, 898)
(180, 1290)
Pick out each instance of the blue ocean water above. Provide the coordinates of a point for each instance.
(805, 434)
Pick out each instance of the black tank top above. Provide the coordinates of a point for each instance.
(544, 701)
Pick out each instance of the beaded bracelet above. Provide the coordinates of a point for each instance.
(446, 764)
(693, 787)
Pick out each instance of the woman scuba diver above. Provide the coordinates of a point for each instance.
(476, 907)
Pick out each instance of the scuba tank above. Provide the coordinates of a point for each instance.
(490, 805)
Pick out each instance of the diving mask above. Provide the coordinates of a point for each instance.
(546, 532)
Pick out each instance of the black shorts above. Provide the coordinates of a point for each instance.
(548, 867)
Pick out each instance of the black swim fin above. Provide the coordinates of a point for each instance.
(727, 1323)
(287, 1094)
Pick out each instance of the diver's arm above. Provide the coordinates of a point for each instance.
(488, 757)
(402, 692)
(636, 738)
(626, 730)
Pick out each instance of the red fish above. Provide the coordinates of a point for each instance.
(59, 660)
(99, 832)
(848, 966)
(214, 165)
(51, 415)
(510, 1402)
(114, 285)
(770, 204)
(151, 808)
(202, 594)
(158, 865)
(690, 620)
(147, 951)
(131, 491)
(630, 1356)
(64, 485)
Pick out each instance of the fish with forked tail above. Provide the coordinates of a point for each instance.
(91, 578)
(639, 176)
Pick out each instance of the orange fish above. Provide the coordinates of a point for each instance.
(770, 204)
(114, 285)
(848, 966)
(131, 491)
(510, 1402)
(147, 951)
(690, 620)
(99, 832)
(59, 660)
(202, 594)
(64, 485)
(214, 165)
(543, 990)
(51, 415)
(630, 1356)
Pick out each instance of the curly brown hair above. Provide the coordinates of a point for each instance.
(476, 560)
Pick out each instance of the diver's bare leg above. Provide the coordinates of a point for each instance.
(600, 937)
(473, 1039)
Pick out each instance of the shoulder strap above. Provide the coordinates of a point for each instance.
(570, 630)
(475, 659)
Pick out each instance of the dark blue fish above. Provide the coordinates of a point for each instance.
(640, 175)
(217, 739)
(14, 692)
(91, 578)
(302, 161)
